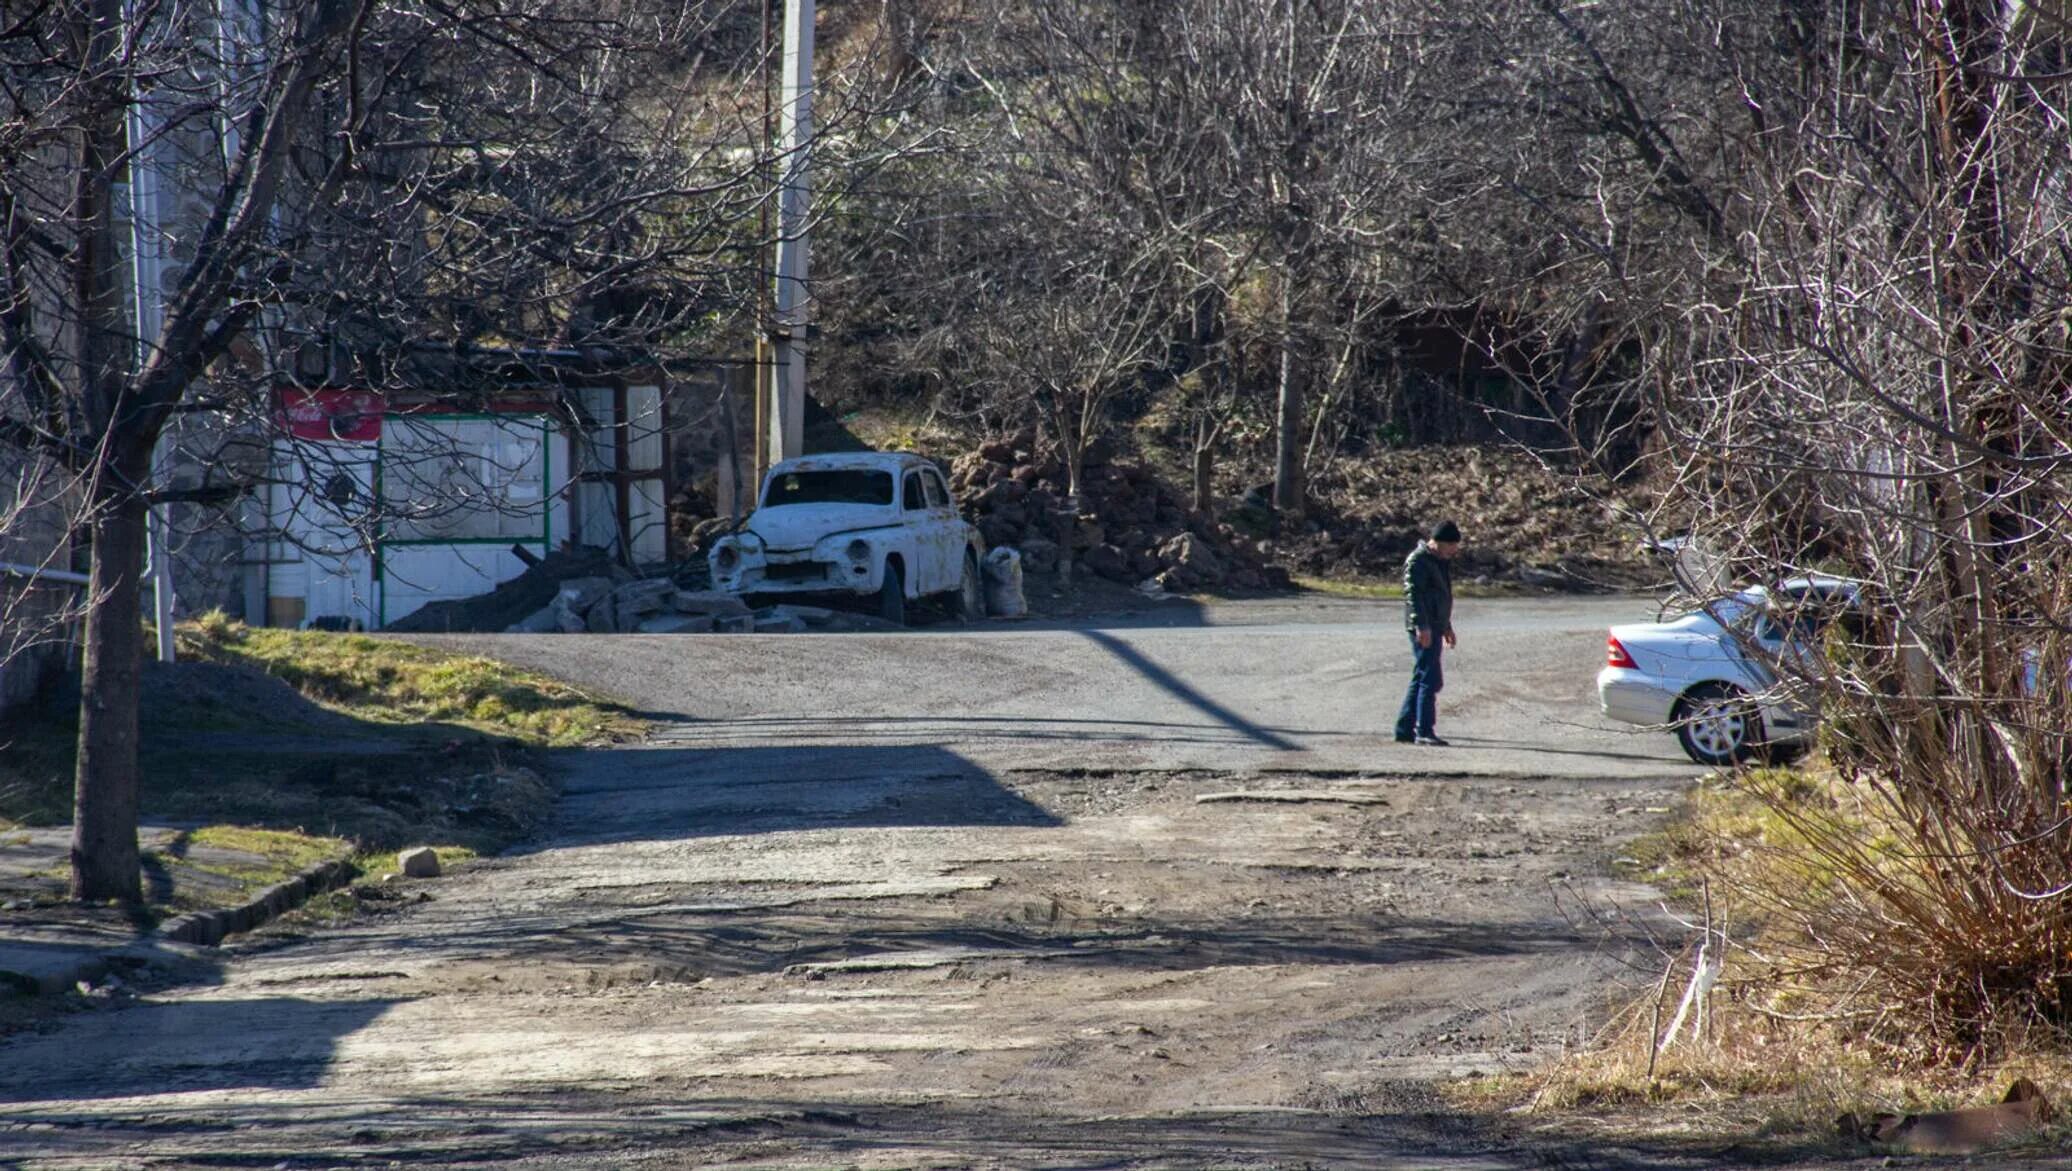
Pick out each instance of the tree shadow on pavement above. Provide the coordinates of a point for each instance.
(843, 731)
(722, 941)
(686, 1124)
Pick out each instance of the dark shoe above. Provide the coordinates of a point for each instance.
(1402, 739)
(1434, 741)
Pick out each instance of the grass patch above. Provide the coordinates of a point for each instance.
(225, 865)
(1391, 589)
(386, 861)
(888, 427)
(291, 748)
(287, 850)
(387, 682)
(1351, 587)
(1719, 821)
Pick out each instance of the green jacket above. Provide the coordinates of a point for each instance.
(1427, 591)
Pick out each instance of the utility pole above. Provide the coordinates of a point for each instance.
(765, 273)
(786, 436)
(147, 275)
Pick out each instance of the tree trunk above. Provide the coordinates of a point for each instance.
(1204, 472)
(1074, 451)
(104, 801)
(897, 28)
(1287, 463)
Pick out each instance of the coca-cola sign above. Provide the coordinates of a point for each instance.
(344, 416)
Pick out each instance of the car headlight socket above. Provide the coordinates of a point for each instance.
(859, 550)
(728, 558)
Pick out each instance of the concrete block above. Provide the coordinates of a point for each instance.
(544, 620)
(712, 602)
(641, 598)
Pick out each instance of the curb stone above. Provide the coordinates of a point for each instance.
(172, 941)
(208, 928)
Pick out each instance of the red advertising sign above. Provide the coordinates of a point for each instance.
(345, 416)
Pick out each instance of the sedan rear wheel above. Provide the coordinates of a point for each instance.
(1718, 725)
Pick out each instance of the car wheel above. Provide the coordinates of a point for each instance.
(892, 596)
(1718, 725)
(971, 592)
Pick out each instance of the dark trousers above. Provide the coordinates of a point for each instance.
(1421, 702)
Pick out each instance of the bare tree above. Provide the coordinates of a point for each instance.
(84, 401)
(1855, 220)
(388, 185)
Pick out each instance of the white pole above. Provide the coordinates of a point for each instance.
(147, 268)
(793, 308)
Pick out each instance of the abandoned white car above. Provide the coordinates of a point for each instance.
(859, 523)
(1719, 676)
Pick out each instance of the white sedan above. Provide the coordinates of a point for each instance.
(1718, 675)
(869, 523)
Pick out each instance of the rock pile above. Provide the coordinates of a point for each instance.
(1129, 527)
(511, 600)
(600, 605)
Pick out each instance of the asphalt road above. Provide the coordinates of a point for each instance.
(1160, 892)
(1297, 685)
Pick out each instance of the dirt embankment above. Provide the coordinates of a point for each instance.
(1524, 522)
(1527, 524)
(1126, 525)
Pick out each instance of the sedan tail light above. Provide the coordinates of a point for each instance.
(1615, 655)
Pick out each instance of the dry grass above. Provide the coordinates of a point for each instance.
(1788, 1043)
(1755, 1075)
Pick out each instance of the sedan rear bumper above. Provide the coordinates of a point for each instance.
(1633, 697)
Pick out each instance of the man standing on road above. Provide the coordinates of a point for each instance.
(1428, 616)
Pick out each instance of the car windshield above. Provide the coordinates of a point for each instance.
(829, 486)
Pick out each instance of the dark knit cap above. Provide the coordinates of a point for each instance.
(1446, 531)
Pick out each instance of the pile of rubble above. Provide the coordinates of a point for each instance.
(1129, 527)
(511, 600)
(581, 589)
(600, 605)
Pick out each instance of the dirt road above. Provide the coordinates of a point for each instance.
(1149, 896)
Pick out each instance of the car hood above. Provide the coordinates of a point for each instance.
(798, 526)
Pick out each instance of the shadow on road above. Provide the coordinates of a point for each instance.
(1178, 688)
(281, 1043)
(668, 793)
(845, 730)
